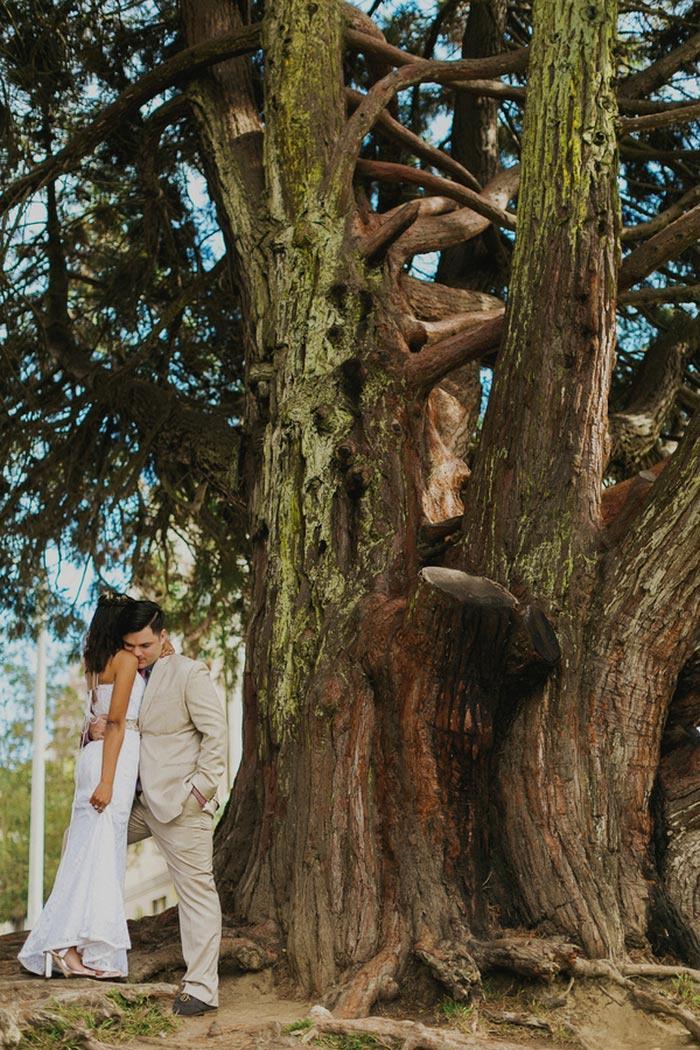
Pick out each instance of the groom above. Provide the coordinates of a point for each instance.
(183, 756)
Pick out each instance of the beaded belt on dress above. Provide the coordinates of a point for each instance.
(132, 723)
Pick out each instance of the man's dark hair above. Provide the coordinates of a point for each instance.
(140, 614)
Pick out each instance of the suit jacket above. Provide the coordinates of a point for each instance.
(183, 736)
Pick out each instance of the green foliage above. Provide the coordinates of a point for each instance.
(110, 274)
(129, 1020)
(687, 991)
(299, 1026)
(355, 1041)
(452, 1011)
(64, 718)
(202, 585)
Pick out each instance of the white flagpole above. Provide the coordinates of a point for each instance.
(35, 897)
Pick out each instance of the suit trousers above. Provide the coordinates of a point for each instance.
(187, 845)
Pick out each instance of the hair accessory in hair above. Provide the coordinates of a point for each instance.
(113, 598)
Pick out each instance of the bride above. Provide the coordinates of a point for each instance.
(82, 930)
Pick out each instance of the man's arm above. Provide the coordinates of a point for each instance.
(95, 729)
(208, 717)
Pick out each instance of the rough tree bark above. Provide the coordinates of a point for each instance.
(409, 764)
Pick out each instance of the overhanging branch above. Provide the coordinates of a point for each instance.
(636, 429)
(646, 296)
(644, 230)
(425, 369)
(647, 80)
(666, 244)
(437, 157)
(386, 172)
(665, 118)
(436, 232)
(185, 63)
(339, 178)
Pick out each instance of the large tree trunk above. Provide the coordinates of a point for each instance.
(408, 762)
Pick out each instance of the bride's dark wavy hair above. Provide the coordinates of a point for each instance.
(104, 635)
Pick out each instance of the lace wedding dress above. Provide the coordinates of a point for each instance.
(86, 906)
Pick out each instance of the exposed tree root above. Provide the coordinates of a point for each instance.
(517, 1017)
(652, 970)
(413, 1036)
(453, 966)
(530, 1021)
(585, 1042)
(646, 999)
(656, 1003)
(526, 956)
(374, 981)
(246, 954)
(542, 959)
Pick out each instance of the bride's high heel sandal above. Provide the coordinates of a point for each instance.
(58, 958)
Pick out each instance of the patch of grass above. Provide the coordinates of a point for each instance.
(355, 1041)
(686, 990)
(298, 1026)
(64, 1024)
(453, 1011)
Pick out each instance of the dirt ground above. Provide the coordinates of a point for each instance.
(255, 1010)
(253, 1013)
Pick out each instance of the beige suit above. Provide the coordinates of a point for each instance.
(183, 745)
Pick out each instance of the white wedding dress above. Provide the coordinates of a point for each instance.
(86, 905)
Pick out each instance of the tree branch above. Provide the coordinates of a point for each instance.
(665, 118)
(425, 369)
(643, 105)
(636, 429)
(437, 157)
(374, 245)
(171, 311)
(386, 172)
(185, 63)
(620, 503)
(655, 567)
(664, 245)
(341, 168)
(436, 232)
(175, 423)
(663, 219)
(492, 89)
(359, 40)
(57, 323)
(645, 296)
(647, 80)
(455, 324)
(377, 45)
(434, 301)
